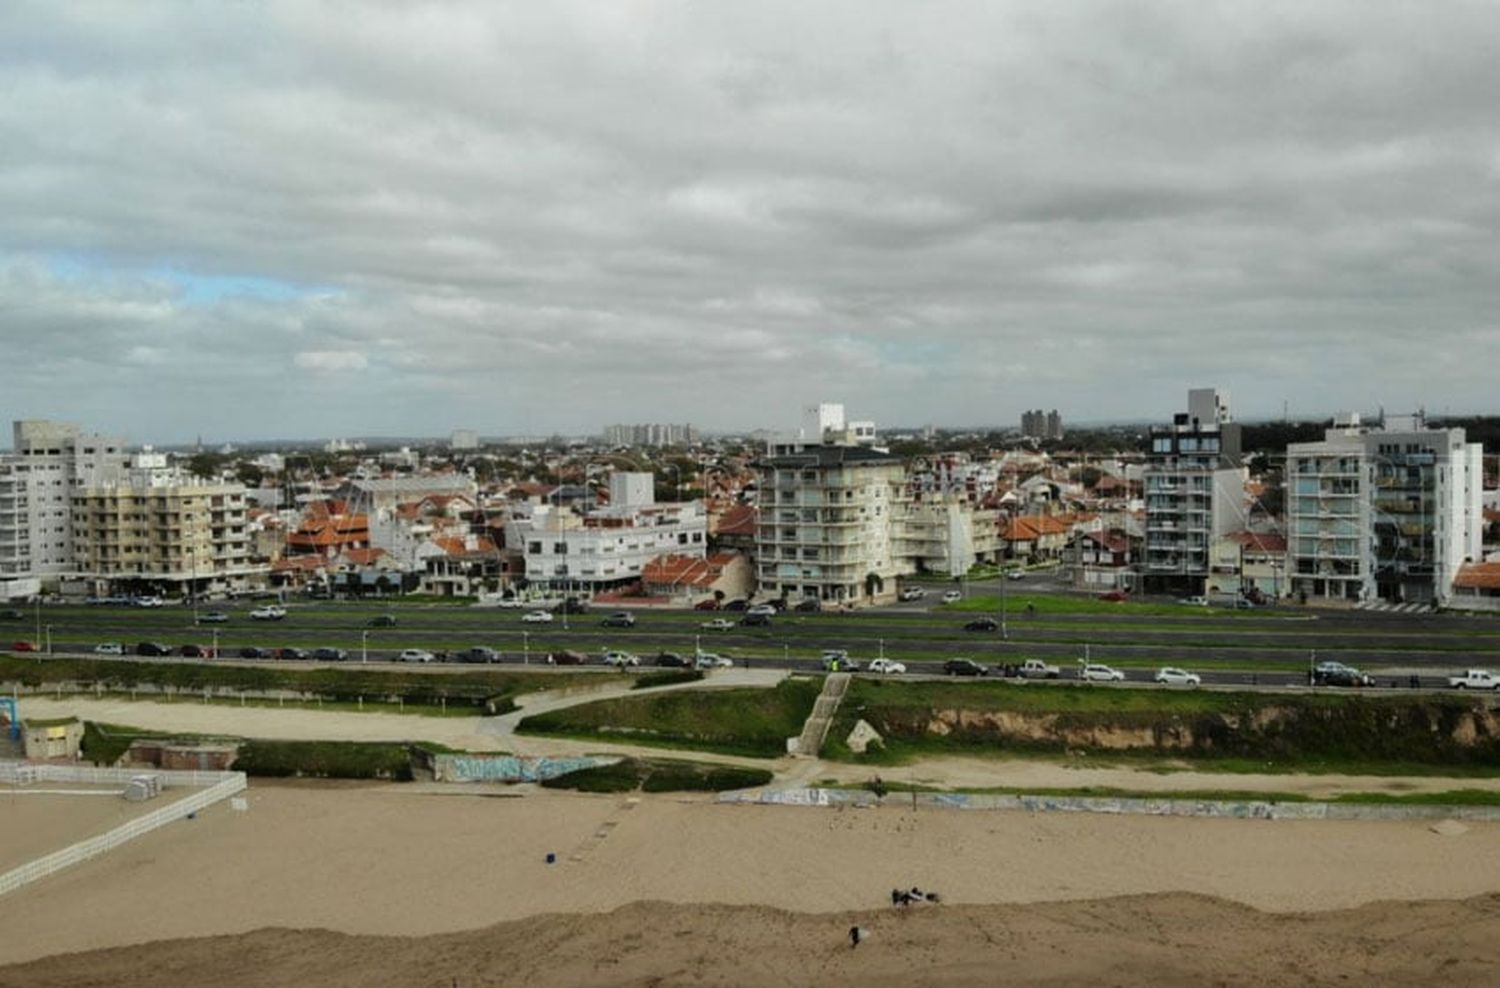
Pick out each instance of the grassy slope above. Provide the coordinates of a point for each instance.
(1325, 730)
(753, 722)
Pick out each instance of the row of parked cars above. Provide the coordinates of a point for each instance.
(624, 660)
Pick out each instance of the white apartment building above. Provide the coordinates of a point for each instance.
(830, 520)
(1195, 492)
(1388, 513)
(568, 551)
(49, 461)
(947, 533)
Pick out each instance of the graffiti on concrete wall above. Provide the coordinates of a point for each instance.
(509, 768)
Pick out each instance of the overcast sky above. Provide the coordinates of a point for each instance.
(298, 219)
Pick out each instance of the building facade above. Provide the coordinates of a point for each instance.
(1194, 485)
(48, 463)
(584, 552)
(1390, 513)
(159, 531)
(829, 524)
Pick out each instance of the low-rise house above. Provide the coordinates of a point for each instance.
(692, 579)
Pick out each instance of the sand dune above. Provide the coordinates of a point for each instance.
(1173, 939)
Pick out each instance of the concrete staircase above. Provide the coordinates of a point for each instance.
(815, 730)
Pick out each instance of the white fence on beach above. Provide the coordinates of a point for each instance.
(219, 786)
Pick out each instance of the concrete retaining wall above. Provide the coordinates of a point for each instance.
(1237, 810)
(508, 768)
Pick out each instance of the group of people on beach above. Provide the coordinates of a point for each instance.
(901, 899)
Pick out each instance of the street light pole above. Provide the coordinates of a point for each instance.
(526, 648)
(49, 639)
(364, 646)
(1004, 630)
(216, 643)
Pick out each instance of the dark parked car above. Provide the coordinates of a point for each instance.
(567, 658)
(23, 646)
(478, 654)
(779, 603)
(1116, 596)
(964, 667)
(11, 614)
(329, 654)
(982, 624)
(1338, 674)
(153, 649)
(571, 606)
(213, 617)
(254, 652)
(383, 621)
(196, 652)
(756, 620)
(619, 619)
(671, 660)
(706, 605)
(809, 605)
(736, 605)
(291, 653)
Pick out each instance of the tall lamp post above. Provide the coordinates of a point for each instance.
(364, 646)
(525, 647)
(49, 639)
(1004, 630)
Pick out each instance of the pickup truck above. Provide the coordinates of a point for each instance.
(1037, 669)
(1475, 679)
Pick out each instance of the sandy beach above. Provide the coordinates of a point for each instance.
(386, 861)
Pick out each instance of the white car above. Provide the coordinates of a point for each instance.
(717, 624)
(913, 593)
(510, 602)
(887, 666)
(764, 609)
(952, 597)
(1096, 673)
(1171, 676)
(1194, 601)
(415, 655)
(1015, 574)
(149, 602)
(708, 660)
(537, 617)
(109, 648)
(621, 659)
(268, 613)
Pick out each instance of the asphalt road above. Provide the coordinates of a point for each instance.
(1273, 647)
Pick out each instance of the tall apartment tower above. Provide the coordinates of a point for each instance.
(829, 521)
(48, 463)
(1195, 491)
(1387, 513)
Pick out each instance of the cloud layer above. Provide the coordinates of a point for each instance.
(306, 219)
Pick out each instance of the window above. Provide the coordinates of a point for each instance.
(534, 548)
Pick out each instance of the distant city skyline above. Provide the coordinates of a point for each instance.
(303, 220)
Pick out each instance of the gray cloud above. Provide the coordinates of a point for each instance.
(316, 219)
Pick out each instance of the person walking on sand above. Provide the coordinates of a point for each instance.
(855, 936)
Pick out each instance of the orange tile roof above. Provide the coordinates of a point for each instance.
(738, 520)
(1259, 541)
(675, 570)
(1478, 576)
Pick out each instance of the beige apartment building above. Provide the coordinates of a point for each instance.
(164, 534)
(829, 517)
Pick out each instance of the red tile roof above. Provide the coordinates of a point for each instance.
(674, 570)
(738, 520)
(1478, 576)
(1260, 541)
